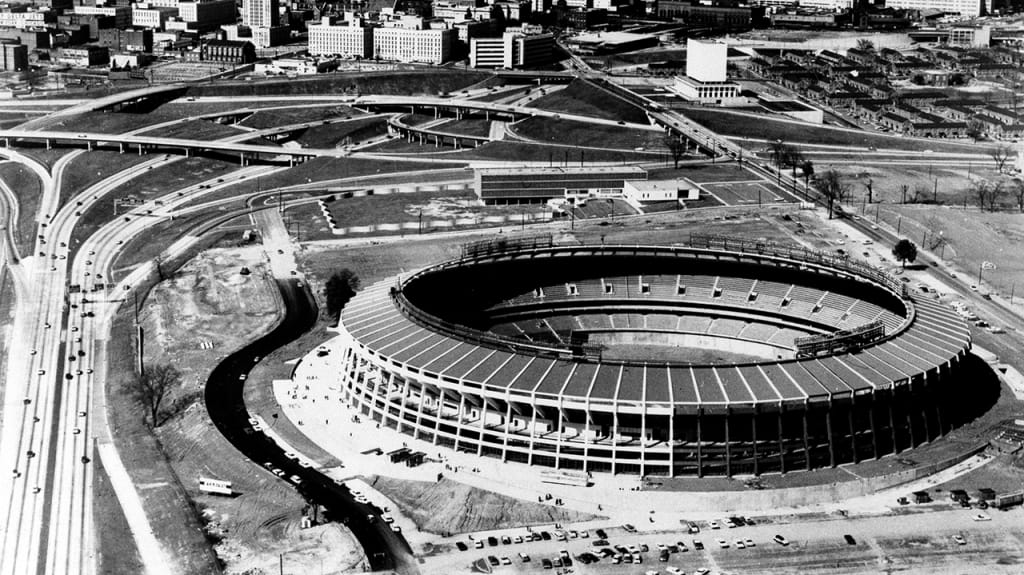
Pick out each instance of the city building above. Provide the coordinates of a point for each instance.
(207, 15)
(721, 16)
(512, 50)
(223, 51)
(429, 46)
(15, 57)
(21, 18)
(597, 43)
(326, 39)
(540, 184)
(257, 13)
(118, 40)
(84, 56)
(147, 16)
(967, 8)
(122, 15)
(706, 80)
(639, 192)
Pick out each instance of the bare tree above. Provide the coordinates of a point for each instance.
(866, 45)
(975, 129)
(870, 185)
(676, 147)
(995, 195)
(151, 388)
(980, 189)
(832, 186)
(1018, 190)
(1000, 155)
(921, 191)
(807, 167)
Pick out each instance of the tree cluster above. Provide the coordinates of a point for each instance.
(833, 187)
(340, 288)
(151, 389)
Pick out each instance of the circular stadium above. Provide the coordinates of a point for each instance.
(721, 356)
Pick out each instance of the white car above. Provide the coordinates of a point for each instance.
(673, 570)
(722, 543)
(981, 517)
(959, 540)
(714, 525)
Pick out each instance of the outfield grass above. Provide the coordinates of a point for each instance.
(584, 99)
(29, 190)
(733, 124)
(289, 116)
(196, 129)
(331, 135)
(562, 131)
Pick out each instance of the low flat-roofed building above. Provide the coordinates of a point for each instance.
(706, 92)
(649, 191)
(540, 184)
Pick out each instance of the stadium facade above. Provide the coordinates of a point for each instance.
(510, 351)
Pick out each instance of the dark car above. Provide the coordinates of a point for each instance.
(546, 563)
(601, 534)
(663, 556)
(461, 545)
(506, 540)
(698, 545)
(600, 543)
(644, 547)
(545, 535)
(849, 539)
(493, 560)
(492, 541)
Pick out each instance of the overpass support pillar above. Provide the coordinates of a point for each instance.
(437, 142)
(291, 161)
(7, 143)
(48, 144)
(140, 149)
(188, 152)
(88, 145)
(242, 160)
(120, 147)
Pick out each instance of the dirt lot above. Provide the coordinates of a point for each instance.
(447, 506)
(209, 302)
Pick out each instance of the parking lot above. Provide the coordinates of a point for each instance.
(947, 541)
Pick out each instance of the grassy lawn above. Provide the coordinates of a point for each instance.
(89, 168)
(28, 189)
(116, 544)
(325, 169)
(40, 154)
(392, 208)
(973, 237)
(585, 100)
(448, 507)
(470, 127)
(173, 176)
(106, 122)
(157, 237)
(178, 527)
(409, 82)
(524, 152)
(179, 109)
(7, 302)
(12, 119)
(503, 94)
(766, 128)
(289, 116)
(196, 129)
(333, 135)
(563, 131)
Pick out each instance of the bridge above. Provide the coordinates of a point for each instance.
(246, 152)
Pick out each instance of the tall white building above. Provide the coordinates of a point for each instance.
(430, 46)
(339, 40)
(706, 60)
(260, 13)
(512, 50)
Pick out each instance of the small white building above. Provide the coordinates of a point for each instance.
(705, 80)
(648, 191)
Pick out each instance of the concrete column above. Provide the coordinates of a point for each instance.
(140, 149)
(782, 445)
(753, 435)
(828, 429)
(483, 426)
(120, 147)
(853, 430)
(615, 435)
(48, 144)
(874, 432)
(728, 447)
(419, 411)
(807, 442)
(586, 438)
(672, 443)
(560, 438)
(700, 458)
(459, 420)
(892, 428)
(533, 423)
(508, 428)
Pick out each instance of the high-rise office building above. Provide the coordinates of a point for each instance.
(260, 13)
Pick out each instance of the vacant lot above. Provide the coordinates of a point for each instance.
(447, 506)
(584, 99)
